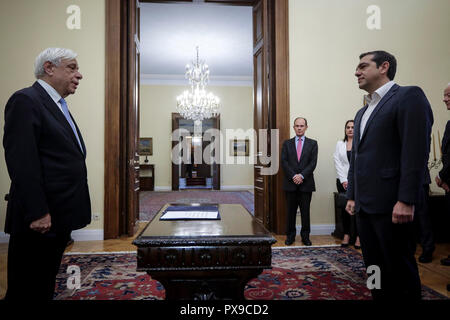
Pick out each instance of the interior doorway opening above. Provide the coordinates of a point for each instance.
(271, 100)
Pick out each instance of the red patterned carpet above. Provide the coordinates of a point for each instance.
(326, 273)
(150, 201)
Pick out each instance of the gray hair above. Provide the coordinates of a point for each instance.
(53, 55)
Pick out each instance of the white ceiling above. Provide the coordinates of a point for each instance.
(170, 32)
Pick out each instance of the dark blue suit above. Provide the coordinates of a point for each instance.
(387, 165)
(298, 195)
(445, 171)
(48, 175)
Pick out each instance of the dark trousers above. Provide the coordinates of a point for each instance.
(423, 222)
(390, 247)
(348, 221)
(33, 263)
(295, 199)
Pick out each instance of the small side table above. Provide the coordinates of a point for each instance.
(147, 177)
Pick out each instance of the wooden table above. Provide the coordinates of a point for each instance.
(205, 259)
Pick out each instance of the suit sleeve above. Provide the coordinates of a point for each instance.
(414, 120)
(350, 176)
(444, 174)
(285, 162)
(309, 169)
(21, 142)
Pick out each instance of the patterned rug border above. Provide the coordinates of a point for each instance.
(317, 251)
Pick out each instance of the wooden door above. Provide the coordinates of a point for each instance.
(261, 69)
(133, 122)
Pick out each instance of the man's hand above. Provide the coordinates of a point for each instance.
(344, 185)
(350, 207)
(42, 225)
(297, 179)
(402, 213)
(442, 184)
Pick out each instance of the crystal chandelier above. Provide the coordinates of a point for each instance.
(197, 104)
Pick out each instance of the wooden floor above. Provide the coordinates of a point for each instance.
(433, 275)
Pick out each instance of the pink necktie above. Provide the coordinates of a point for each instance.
(299, 149)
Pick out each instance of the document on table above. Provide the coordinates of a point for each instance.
(191, 213)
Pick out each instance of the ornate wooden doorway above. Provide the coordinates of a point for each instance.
(203, 170)
(271, 103)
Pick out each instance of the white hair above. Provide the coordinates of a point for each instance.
(53, 55)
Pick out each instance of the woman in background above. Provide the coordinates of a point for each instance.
(342, 164)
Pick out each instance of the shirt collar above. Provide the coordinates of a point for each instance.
(50, 90)
(302, 137)
(380, 92)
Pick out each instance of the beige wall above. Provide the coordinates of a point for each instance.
(326, 38)
(157, 104)
(26, 28)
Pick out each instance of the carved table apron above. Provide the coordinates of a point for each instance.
(205, 259)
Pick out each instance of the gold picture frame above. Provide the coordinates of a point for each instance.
(145, 146)
(240, 147)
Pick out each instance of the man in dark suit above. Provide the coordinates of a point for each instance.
(45, 155)
(299, 159)
(386, 175)
(443, 179)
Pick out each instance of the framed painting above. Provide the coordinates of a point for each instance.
(145, 146)
(239, 147)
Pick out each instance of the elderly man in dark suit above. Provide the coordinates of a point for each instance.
(443, 179)
(299, 159)
(386, 175)
(45, 155)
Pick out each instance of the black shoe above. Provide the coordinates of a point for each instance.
(288, 242)
(307, 242)
(426, 257)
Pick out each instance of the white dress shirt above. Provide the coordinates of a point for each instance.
(341, 161)
(373, 101)
(52, 93)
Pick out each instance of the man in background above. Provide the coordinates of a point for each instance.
(443, 178)
(299, 159)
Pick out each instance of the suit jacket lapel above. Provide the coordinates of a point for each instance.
(293, 148)
(380, 105)
(56, 112)
(357, 130)
(304, 149)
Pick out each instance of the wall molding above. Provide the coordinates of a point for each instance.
(163, 188)
(318, 229)
(237, 188)
(88, 235)
(97, 234)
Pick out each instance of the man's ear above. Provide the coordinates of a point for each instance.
(384, 67)
(48, 68)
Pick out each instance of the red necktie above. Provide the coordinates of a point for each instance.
(299, 149)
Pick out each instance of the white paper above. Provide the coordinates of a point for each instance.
(189, 215)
